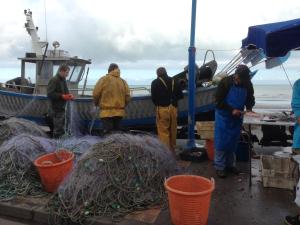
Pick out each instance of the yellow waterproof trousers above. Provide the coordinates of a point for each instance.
(166, 122)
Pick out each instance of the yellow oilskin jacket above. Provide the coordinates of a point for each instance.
(111, 94)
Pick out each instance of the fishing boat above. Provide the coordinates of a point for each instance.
(21, 98)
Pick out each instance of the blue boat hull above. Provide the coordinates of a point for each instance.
(139, 112)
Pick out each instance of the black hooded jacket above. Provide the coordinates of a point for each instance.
(223, 89)
(165, 96)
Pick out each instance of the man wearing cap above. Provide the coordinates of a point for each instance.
(111, 94)
(165, 93)
(233, 95)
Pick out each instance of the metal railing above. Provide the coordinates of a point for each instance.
(15, 87)
(133, 91)
(86, 91)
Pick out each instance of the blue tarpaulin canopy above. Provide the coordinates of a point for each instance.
(276, 39)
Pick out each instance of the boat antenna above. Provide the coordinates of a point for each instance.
(45, 20)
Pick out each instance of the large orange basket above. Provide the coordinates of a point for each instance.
(189, 199)
(54, 167)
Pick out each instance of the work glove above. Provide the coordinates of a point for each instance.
(71, 97)
(67, 97)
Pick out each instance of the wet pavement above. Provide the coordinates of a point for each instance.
(233, 201)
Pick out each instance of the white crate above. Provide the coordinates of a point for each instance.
(206, 129)
(279, 172)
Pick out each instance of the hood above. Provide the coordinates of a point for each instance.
(115, 73)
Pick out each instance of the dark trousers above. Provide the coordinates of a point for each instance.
(224, 159)
(58, 124)
(111, 124)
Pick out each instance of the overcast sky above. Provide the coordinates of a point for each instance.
(137, 34)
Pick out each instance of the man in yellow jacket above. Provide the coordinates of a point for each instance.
(111, 94)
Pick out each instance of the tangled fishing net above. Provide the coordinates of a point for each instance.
(74, 124)
(121, 174)
(14, 126)
(78, 145)
(18, 176)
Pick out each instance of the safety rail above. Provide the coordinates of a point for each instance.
(16, 88)
(84, 91)
(133, 90)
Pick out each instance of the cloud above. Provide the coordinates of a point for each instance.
(137, 34)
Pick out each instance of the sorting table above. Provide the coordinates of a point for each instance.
(251, 120)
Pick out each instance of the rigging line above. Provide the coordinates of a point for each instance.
(236, 58)
(286, 75)
(234, 61)
(261, 61)
(45, 20)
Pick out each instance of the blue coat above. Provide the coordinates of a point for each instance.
(296, 109)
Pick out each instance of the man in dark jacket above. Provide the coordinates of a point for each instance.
(165, 93)
(234, 93)
(58, 94)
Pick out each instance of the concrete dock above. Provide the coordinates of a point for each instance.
(233, 202)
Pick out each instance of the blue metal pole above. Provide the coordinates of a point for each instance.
(191, 83)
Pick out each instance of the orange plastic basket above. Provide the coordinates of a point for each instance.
(189, 199)
(209, 146)
(53, 168)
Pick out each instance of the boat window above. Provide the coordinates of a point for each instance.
(75, 73)
(30, 69)
(55, 69)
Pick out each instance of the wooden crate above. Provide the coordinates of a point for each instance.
(205, 129)
(279, 172)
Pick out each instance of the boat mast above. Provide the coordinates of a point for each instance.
(191, 82)
(36, 45)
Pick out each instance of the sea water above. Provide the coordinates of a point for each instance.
(275, 97)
